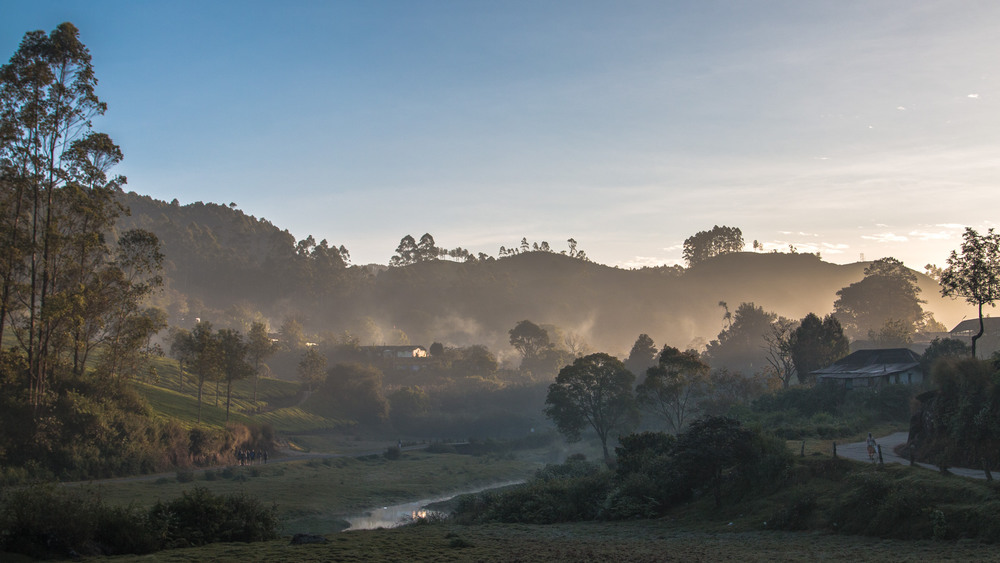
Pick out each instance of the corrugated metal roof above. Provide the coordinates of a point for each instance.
(971, 326)
(871, 363)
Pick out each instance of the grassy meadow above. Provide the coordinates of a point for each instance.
(313, 495)
(636, 541)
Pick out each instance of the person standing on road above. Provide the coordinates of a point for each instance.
(871, 447)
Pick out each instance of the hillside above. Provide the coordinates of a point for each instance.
(226, 266)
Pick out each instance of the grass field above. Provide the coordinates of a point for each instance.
(637, 541)
(275, 405)
(312, 496)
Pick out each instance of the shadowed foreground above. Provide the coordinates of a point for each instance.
(618, 541)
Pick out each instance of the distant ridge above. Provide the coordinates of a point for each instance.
(221, 260)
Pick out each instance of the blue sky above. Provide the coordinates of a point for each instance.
(847, 128)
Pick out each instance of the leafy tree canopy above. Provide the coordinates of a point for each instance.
(817, 343)
(742, 346)
(887, 292)
(715, 242)
(596, 392)
(975, 273)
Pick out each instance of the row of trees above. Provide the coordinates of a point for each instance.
(598, 391)
(411, 251)
(65, 289)
(221, 356)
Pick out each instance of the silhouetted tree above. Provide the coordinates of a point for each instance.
(234, 363)
(888, 291)
(816, 344)
(355, 391)
(742, 346)
(974, 274)
(779, 349)
(942, 348)
(312, 368)
(207, 363)
(642, 356)
(259, 349)
(406, 252)
(715, 242)
(290, 334)
(673, 385)
(181, 349)
(529, 339)
(594, 391)
(427, 249)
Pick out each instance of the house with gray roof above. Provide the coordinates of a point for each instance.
(988, 343)
(873, 369)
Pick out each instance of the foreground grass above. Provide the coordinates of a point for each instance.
(313, 496)
(645, 540)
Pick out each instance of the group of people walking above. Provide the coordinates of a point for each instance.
(250, 456)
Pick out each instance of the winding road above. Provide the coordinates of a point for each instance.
(859, 451)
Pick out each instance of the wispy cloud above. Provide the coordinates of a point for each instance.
(885, 237)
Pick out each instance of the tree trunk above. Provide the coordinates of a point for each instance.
(979, 334)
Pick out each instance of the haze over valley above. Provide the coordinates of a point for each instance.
(590, 281)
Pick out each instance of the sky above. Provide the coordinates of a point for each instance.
(855, 129)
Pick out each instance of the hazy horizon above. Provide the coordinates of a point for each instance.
(845, 128)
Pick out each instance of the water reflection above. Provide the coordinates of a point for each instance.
(394, 515)
(399, 514)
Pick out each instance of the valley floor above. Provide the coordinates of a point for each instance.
(637, 541)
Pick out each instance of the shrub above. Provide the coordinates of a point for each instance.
(393, 453)
(569, 492)
(185, 476)
(43, 521)
(438, 448)
(200, 517)
(794, 514)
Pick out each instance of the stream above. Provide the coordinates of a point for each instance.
(399, 514)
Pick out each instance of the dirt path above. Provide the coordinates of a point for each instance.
(859, 451)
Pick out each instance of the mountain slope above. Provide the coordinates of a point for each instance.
(224, 265)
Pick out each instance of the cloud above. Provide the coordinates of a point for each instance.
(974, 96)
(933, 235)
(901, 108)
(835, 248)
(885, 237)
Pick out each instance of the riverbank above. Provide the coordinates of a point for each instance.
(315, 495)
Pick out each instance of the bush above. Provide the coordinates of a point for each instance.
(43, 521)
(879, 506)
(438, 448)
(569, 492)
(185, 476)
(201, 517)
(393, 453)
(794, 514)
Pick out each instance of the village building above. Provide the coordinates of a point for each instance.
(988, 343)
(873, 369)
(401, 358)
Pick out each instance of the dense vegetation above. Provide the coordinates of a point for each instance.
(719, 469)
(43, 521)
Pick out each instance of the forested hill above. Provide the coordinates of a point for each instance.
(225, 266)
